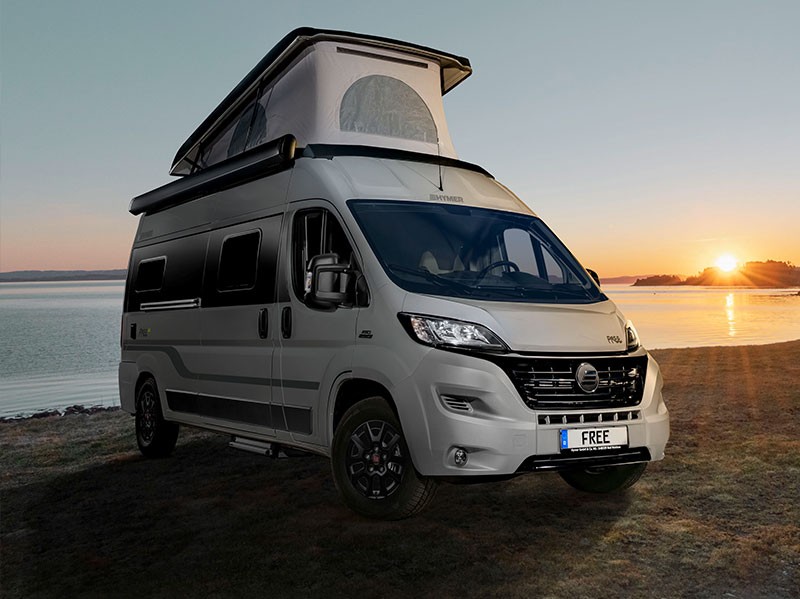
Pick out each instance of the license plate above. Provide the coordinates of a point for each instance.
(587, 439)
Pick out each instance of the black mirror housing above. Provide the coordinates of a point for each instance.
(330, 281)
(594, 275)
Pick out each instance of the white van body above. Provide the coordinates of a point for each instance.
(227, 327)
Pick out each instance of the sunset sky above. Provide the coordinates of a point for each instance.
(651, 137)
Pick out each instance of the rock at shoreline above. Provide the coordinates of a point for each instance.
(71, 410)
(44, 414)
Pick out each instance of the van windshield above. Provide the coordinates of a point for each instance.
(466, 252)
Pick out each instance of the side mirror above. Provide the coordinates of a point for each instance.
(330, 281)
(594, 276)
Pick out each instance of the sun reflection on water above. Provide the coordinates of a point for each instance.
(730, 314)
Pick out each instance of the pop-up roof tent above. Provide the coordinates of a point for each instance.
(333, 87)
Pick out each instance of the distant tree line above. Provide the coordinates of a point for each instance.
(23, 276)
(753, 274)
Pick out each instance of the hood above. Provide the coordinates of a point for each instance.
(526, 327)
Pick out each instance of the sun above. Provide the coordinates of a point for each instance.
(726, 262)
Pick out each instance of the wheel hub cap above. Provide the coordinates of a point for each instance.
(375, 459)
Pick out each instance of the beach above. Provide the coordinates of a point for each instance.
(83, 514)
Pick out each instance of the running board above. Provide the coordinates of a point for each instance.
(272, 450)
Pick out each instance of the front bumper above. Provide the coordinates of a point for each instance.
(455, 400)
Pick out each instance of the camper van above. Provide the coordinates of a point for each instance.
(327, 275)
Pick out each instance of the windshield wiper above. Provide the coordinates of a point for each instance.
(434, 278)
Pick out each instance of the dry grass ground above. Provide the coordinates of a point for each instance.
(83, 515)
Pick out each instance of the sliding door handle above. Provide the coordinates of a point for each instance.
(286, 322)
(263, 323)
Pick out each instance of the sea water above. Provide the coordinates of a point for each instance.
(59, 342)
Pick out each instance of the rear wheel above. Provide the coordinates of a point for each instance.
(372, 467)
(155, 436)
(606, 479)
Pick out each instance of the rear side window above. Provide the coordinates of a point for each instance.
(150, 275)
(238, 261)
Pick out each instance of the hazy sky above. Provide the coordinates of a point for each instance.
(651, 137)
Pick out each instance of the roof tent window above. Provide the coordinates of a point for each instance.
(238, 262)
(382, 105)
(243, 132)
(258, 128)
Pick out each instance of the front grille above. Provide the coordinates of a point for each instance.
(551, 383)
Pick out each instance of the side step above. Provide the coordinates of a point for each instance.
(272, 450)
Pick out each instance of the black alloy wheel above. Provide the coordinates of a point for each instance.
(155, 436)
(375, 460)
(372, 466)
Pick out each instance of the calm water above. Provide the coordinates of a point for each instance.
(60, 344)
(60, 341)
(697, 316)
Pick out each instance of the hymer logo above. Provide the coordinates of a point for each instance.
(614, 338)
(437, 197)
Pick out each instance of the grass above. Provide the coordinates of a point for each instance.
(83, 515)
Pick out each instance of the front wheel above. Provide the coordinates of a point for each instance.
(372, 467)
(155, 436)
(605, 479)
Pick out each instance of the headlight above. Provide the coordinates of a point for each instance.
(434, 331)
(631, 336)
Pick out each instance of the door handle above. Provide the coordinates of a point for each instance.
(263, 323)
(286, 322)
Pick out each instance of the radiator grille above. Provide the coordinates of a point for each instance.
(551, 383)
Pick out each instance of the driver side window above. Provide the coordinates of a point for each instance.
(315, 232)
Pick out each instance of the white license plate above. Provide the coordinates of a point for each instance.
(582, 439)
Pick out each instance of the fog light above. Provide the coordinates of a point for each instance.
(460, 456)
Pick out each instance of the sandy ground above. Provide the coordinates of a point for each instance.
(83, 515)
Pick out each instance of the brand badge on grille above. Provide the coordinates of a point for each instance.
(587, 378)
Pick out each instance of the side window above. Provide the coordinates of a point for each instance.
(238, 261)
(519, 250)
(150, 275)
(315, 232)
(242, 263)
(555, 274)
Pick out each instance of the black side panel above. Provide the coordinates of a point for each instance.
(218, 407)
(297, 420)
(183, 272)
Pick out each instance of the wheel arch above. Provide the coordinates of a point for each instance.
(352, 390)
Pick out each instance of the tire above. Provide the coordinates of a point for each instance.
(380, 484)
(155, 436)
(604, 479)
